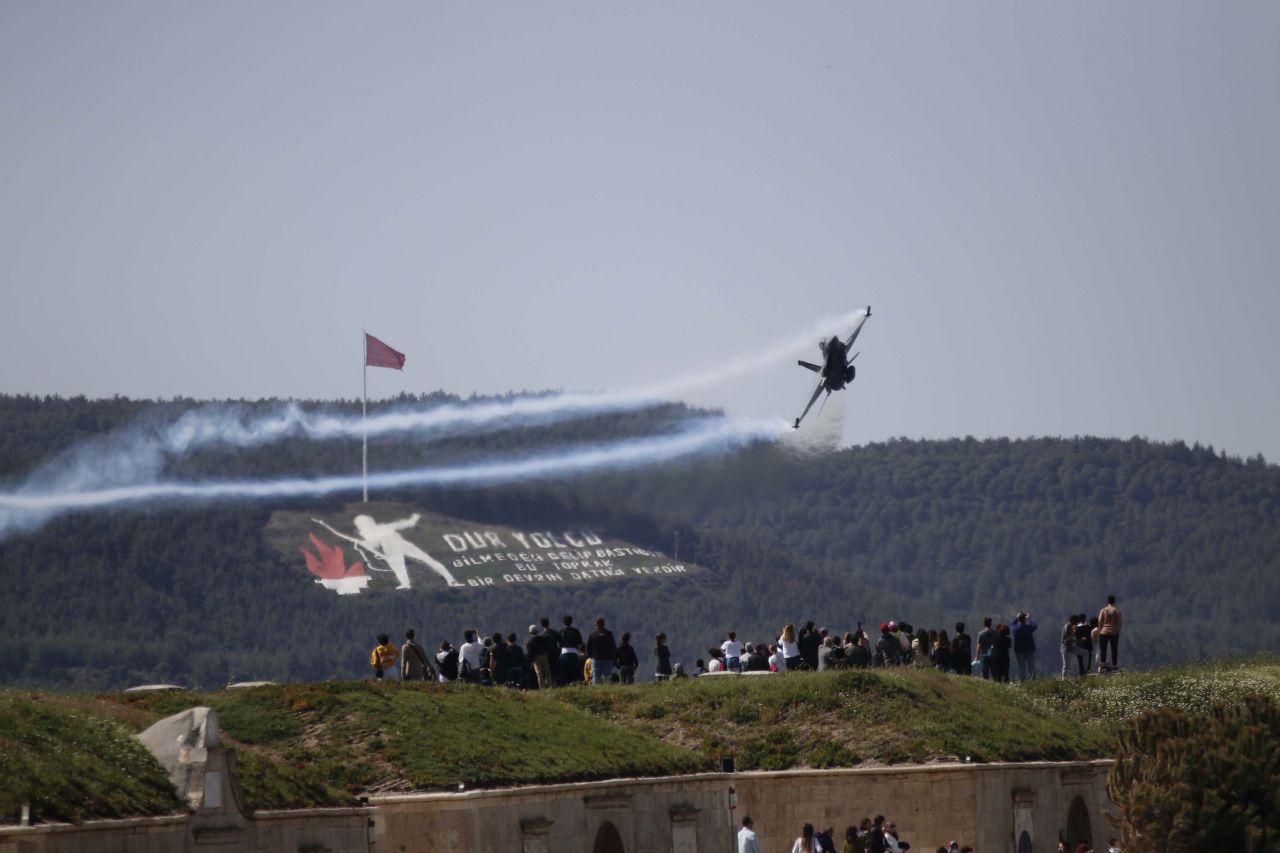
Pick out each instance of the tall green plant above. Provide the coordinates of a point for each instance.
(1190, 782)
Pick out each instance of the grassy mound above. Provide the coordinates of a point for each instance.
(70, 763)
(842, 718)
(324, 744)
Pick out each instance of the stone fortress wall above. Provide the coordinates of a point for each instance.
(1021, 808)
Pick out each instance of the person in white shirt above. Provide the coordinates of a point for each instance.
(732, 653)
(748, 841)
(470, 656)
(715, 665)
(789, 647)
(777, 661)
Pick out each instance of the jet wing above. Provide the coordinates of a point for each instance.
(816, 393)
(856, 329)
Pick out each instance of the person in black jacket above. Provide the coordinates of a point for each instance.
(447, 661)
(809, 640)
(662, 658)
(517, 668)
(535, 651)
(553, 649)
(570, 660)
(961, 652)
(757, 658)
(628, 662)
(603, 652)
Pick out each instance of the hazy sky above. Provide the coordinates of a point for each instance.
(1065, 216)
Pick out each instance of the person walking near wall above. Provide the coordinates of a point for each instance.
(1109, 634)
(804, 844)
(748, 841)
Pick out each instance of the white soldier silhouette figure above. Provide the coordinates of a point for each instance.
(384, 542)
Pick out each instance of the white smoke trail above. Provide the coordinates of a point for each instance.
(136, 456)
(204, 427)
(708, 435)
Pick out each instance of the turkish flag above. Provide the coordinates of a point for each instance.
(378, 354)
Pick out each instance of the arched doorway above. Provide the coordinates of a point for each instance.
(1078, 825)
(607, 839)
(1024, 843)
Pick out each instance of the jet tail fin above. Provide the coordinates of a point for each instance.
(812, 367)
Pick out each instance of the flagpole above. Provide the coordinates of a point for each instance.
(364, 413)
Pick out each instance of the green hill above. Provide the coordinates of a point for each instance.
(324, 744)
(931, 532)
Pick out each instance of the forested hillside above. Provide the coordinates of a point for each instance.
(929, 531)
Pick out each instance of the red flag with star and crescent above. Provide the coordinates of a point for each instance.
(378, 354)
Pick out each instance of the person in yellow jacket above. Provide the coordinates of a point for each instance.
(383, 658)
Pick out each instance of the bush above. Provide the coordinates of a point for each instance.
(1189, 782)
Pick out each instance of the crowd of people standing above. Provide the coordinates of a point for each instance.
(558, 656)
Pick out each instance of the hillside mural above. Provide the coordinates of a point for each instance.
(397, 547)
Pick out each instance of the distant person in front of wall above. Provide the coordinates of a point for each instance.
(748, 841)
(777, 660)
(603, 652)
(628, 662)
(1024, 645)
(383, 658)
(1109, 634)
(804, 844)
(854, 841)
(758, 659)
(661, 658)
(875, 838)
(732, 653)
(891, 842)
(414, 665)
(1000, 654)
(790, 646)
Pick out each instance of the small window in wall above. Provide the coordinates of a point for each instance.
(608, 840)
(1078, 826)
(1024, 843)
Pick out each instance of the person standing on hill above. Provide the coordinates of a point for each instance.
(553, 649)
(1084, 645)
(662, 658)
(1068, 644)
(1109, 633)
(535, 649)
(603, 652)
(628, 661)
(961, 652)
(414, 665)
(809, 641)
(732, 653)
(1000, 654)
(986, 639)
(1024, 645)
(876, 842)
(790, 648)
(447, 658)
(383, 657)
(570, 660)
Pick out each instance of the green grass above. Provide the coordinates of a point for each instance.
(304, 745)
(70, 764)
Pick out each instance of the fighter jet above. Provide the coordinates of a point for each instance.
(836, 370)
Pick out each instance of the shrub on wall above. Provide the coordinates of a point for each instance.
(1190, 782)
